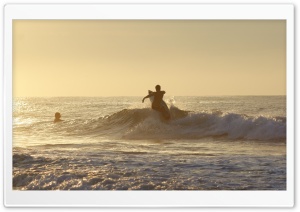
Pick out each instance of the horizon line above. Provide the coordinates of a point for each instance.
(166, 96)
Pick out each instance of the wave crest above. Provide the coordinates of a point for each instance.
(147, 124)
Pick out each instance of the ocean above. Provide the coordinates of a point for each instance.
(120, 143)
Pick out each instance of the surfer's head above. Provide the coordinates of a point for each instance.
(157, 88)
(57, 115)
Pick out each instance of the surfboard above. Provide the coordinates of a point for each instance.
(164, 110)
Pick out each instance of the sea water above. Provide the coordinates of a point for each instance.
(119, 143)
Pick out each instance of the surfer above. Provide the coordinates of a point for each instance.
(57, 117)
(158, 98)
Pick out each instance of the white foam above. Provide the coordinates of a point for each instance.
(198, 125)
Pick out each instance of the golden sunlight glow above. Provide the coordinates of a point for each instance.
(126, 58)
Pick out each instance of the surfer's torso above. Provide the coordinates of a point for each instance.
(158, 96)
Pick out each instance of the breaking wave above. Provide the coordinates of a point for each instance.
(144, 123)
(147, 124)
(214, 124)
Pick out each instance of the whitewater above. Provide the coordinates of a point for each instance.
(119, 143)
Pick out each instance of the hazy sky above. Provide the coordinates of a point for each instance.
(126, 58)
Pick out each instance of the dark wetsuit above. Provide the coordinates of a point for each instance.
(158, 96)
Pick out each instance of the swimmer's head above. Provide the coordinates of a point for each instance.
(57, 115)
(157, 88)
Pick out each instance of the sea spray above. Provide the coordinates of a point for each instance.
(199, 125)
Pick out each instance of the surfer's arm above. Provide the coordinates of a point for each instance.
(147, 97)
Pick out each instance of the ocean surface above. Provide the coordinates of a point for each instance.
(120, 143)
